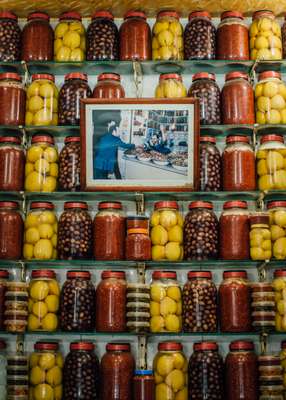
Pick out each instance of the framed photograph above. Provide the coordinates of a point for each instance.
(140, 144)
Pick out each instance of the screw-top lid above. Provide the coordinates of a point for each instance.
(135, 13)
(88, 346)
(259, 219)
(2, 344)
(279, 273)
(49, 77)
(234, 204)
(118, 347)
(76, 75)
(269, 74)
(263, 13)
(138, 230)
(234, 274)
(231, 14)
(4, 273)
(116, 205)
(210, 139)
(274, 204)
(241, 345)
(200, 204)
(8, 15)
(9, 204)
(76, 204)
(109, 75)
(42, 204)
(72, 139)
(170, 13)
(166, 204)
(103, 14)
(43, 273)
(199, 274)
(164, 275)
(11, 75)
(201, 346)
(195, 14)
(113, 274)
(272, 138)
(43, 138)
(203, 75)
(10, 139)
(143, 372)
(237, 138)
(38, 14)
(235, 75)
(70, 15)
(170, 76)
(172, 346)
(78, 274)
(46, 346)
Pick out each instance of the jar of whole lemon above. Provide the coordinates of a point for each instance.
(41, 169)
(45, 372)
(279, 286)
(277, 214)
(171, 86)
(170, 368)
(42, 101)
(260, 237)
(40, 235)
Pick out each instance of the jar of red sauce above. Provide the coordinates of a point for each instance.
(143, 385)
(238, 160)
(138, 245)
(11, 231)
(108, 87)
(137, 221)
(237, 100)
(234, 231)
(12, 99)
(12, 164)
(135, 37)
(111, 302)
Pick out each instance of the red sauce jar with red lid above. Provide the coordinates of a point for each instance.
(12, 99)
(12, 164)
(11, 231)
(108, 87)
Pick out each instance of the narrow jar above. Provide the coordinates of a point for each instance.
(69, 164)
(11, 231)
(12, 99)
(12, 164)
(108, 87)
(260, 237)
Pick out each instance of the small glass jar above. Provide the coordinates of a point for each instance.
(277, 215)
(12, 164)
(170, 86)
(69, 44)
(232, 37)
(11, 231)
(201, 231)
(13, 99)
(108, 87)
(69, 165)
(167, 41)
(111, 302)
(270, 377)
(234, 300)
(73, 90)
(41, 228)
(200, 37)
(75, 232)
(265, 36)
(10, 38)
(260, 237)
(234, 231)
(241, 371)
(210, 165)
(166, 302)
(4, 276)
(279, 284)
(17, 386)
(138, 245)
(263, 307)
(137, 221)
(77, 302)
(138, 307)
(143, 385)
(282, 356)
(238, 165)
(81, 372)
(3, 372)
(37, 38)
(237, 100)
(199, 303)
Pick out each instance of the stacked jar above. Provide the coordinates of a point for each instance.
(10, 37)
(270, 378)
(138, 307)
(69, 164)
(277, 215)
(143, 384)
(3, 371)
(12, 99)
(138, 245)
(263, 307)
(17, 376)
(4, 276)
(283, 362)
(12, 164)
(279, 286)
(108, 87)
(260, 237)
(11, 231)
(170, 86)
(210, 165)
(16, 315)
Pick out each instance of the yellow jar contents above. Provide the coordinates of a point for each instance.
(170, 86)
(277, 214)
(279, 286)
(260, 238)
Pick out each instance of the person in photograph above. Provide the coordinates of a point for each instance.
(158, 142)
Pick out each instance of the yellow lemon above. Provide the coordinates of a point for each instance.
(28, 251)
(63, 54)
(47, 361)
(34, 153)
(160, 26)
(175, 234)
(39, 290)
(58, 392)
(47, 90)
(33, 89)
(261, 42)
(58, 43)
(40, 309)
(45, 231)
(257, 253)
(52, 302)
(54, 287)
(278, 284)
(280, 218)
(157, 324)
(261, 154)
(29, 167)
(165, 53)
(174, 293)
(276, 232)
(282, 90)
(283, 116)
(33, 323)
(274, 160)
(77, 26)
(43, 392)
(54, 376)
(172, 323)
(279, 248)
(168, 306)
(59, 360)
(265, 182)
(165, 38)
(54, 240)
(279, 179)
(52, 103)
(61, 29)
(165, 365)
(179, 360)
(163, 392)
(179, 308)
(32, 235)
(168, 219)
(42, 117)
(55, 227)
(270, 89)
(29, 118)
(31, 220)
(157, 293)
(42, 166)
(34, 359)
(49, 184)
(37, 375)
(158, 253)
(55, 119)
(30, 305)
(262, 167)
(71, 39)
(155, 218)
(154, 308)
(77, 55)
(277, 102)
(176, 380)
(50, 154)
(54, 170)
(182, 394)
(263, 104)
(258, 90)
(176, 28)
(158, 378)
(172, 251)
(159, 235)
(50, 322)
(43, 249)
(47, 217)
(35, 103)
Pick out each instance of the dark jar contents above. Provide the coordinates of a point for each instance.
(210, 165)
(12, 99)
(11, 231)
(138, 307)
(234, 231)
(234, 302)
(263, 307)
(77, 302)
(241, 372)
(117, 366)
(69, 164)
(138, 245)
(238, 164)
(143, 385)
(10, 37)
(38, 38)
(110, 306)
(81, 373)
(12, 164)
(4, 276)
(108, 87)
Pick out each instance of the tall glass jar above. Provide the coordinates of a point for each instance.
(270, 377)
(234, 300)
(170, 86)
(10, 37)
(37, 38)
(69, 164)
(277, 214)
(200, 37)
(167, 42)
(12, 164)
(75, 232)
(143, 385)
(210, 165)
(12, 99)
(260, 237)
(4, 276)
(138, 307)
(17, 387)
(3, 371)
(11, 231)
(166, 302)
(279, 284)
(138, 245)
(16, 308)
(111, 302)
(108, 87)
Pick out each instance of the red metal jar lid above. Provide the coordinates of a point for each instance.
(118, 347)
(173, 346)
(201, 346)
(103, 14)
(166, 204)
(279, 273)
(11, 75)
(82, 346)
(10, 139)
(237, 138)
(78, 274)
(210, 139)
(76, 204)
(200, 204)
(263, 13)
(4, 273)
(234, 204)
(259, 219)
(203, 75)
(269, 74)
(43, 273)
(235, 75)
(76, 75)
(43, 138)
(49, 77)
(241, 345)
(135, 13)
(105, 76)
(10, 204)
(8, 15)
(199, 274)
(116, 205)
(235, 274)
(42, 204)
(164, 275)
(272, 138)
(70, 15)
(170, 76)
(231, 14)
(195, 14)
(113, 274)
(170, 13)
(71, 139)
(273, 204)
(2, 344)
(46, 346)
(39, 14)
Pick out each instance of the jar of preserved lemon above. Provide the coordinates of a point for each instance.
(260, 237)
(277, 214)
(171, 86)
(279, 286)
(41, 227)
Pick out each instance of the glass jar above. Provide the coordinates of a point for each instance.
(138, 245)
(279, 284)
(241, 371)
(81, 372)
(69, 165)
(16, 318)
(170, 86)
(12, 99)
(205, 88)
(4, 276)
(234, 231)
(260, 237)
(277, 214)
(137, 221)
(143, 385)
(45, 374)
(11, 231)
(3, 372)
(12, 164)
(73, 90)
(200, 37)
(263, 307)
(170, 367)
(206, 374)
(283, 362)
(108, 87)
(111, 302)
(10, 38)
(210, 165)
(238, 165)
(232, 37)
(37, 38)
(17, 385)
(166, 302)
(201, 231)
(117, 366)
(199, 303)
(234, 300)
(135, 37)
(41, 228)
(270, 377)
(167, 41)
(237, 100)
(138, 307)
(265, 37)
(75, 232)
(69, 44)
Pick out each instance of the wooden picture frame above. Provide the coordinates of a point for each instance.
(124, 139)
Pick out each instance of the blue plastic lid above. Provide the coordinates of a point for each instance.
(143, 372)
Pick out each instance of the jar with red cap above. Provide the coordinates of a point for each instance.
(234, 302)
(241, 371)
(73, 90)
(70, 43)
(10, 37)
(17, 385)
(12, 164)
(12, 99)
(135, 37)
(200, 37)
(206, 372)
(138, 245)
(4, 276)
(232, 37)
(199, 303)
(143, 384)
(277, 219)
(234, 231)
(166, 302)
(279, 284)
(110, 306)
(75, 232)
(117, 368)
(69, 165)
(81, 372)
(37, 38)
(260, 237)
(210, 165)
(170, 86)
(102, 37)
(108, 87)
(109, 228)
(167, 37)
(238, 164)
(11, 231)
(270, 377)
(201, 231)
